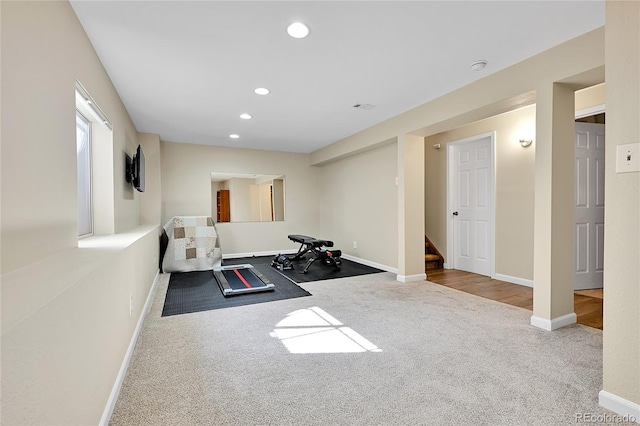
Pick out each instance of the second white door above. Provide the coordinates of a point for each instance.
(589, 206)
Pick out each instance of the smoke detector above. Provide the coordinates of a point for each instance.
(479, 65)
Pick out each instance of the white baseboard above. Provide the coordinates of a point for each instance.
(555, 323)
(115, 391)
(257, 254)
(370, 263)
(411, 278)
(506, 278)
(630, 411)
(291, 252)
(514, 280)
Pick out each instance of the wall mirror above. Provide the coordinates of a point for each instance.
(244, 197)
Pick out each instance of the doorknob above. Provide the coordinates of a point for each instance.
(455, 213)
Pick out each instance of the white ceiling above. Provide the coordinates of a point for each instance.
(187, 70)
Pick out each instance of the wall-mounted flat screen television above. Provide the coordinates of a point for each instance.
(138, 170)
(134, 169)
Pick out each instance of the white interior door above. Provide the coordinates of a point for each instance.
(589, 206)
(471, 183)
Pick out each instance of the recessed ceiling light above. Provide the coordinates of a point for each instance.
(234, 136)
(261, 91)
(298, 30)
(246, 116)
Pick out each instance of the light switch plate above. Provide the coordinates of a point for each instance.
(628, 158)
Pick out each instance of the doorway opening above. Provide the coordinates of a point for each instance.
(589, 201)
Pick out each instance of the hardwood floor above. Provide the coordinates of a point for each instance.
(587, 304)
(596, 292)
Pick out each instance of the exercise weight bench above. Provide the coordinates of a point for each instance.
(317, 249)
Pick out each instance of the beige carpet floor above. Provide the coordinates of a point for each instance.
(365, 350)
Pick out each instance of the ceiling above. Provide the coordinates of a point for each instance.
(186, 70)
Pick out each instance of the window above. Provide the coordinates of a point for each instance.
(96, 167)
(83, 144)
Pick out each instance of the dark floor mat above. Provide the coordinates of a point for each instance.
(317, 272)
(198, 291)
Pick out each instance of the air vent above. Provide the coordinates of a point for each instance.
(364, 106)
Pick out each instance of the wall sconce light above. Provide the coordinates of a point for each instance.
(525, 142)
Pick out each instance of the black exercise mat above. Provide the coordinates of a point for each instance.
(198, 291)
(318, 271)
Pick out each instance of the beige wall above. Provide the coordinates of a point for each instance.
(278, 198)
(359, 203)
(39, 160)
(150, 204)
(326, 202)
(411, 233)
(621, 350)
(240, 200)
(514, 183)
(186, 190)
(66, 324)
(579, 62)
(66, 328)
(514, 189)
(89, 318)
(590, 97)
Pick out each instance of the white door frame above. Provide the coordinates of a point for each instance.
(588, 112)
(450, 264)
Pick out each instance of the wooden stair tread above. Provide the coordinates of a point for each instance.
(432, 257)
